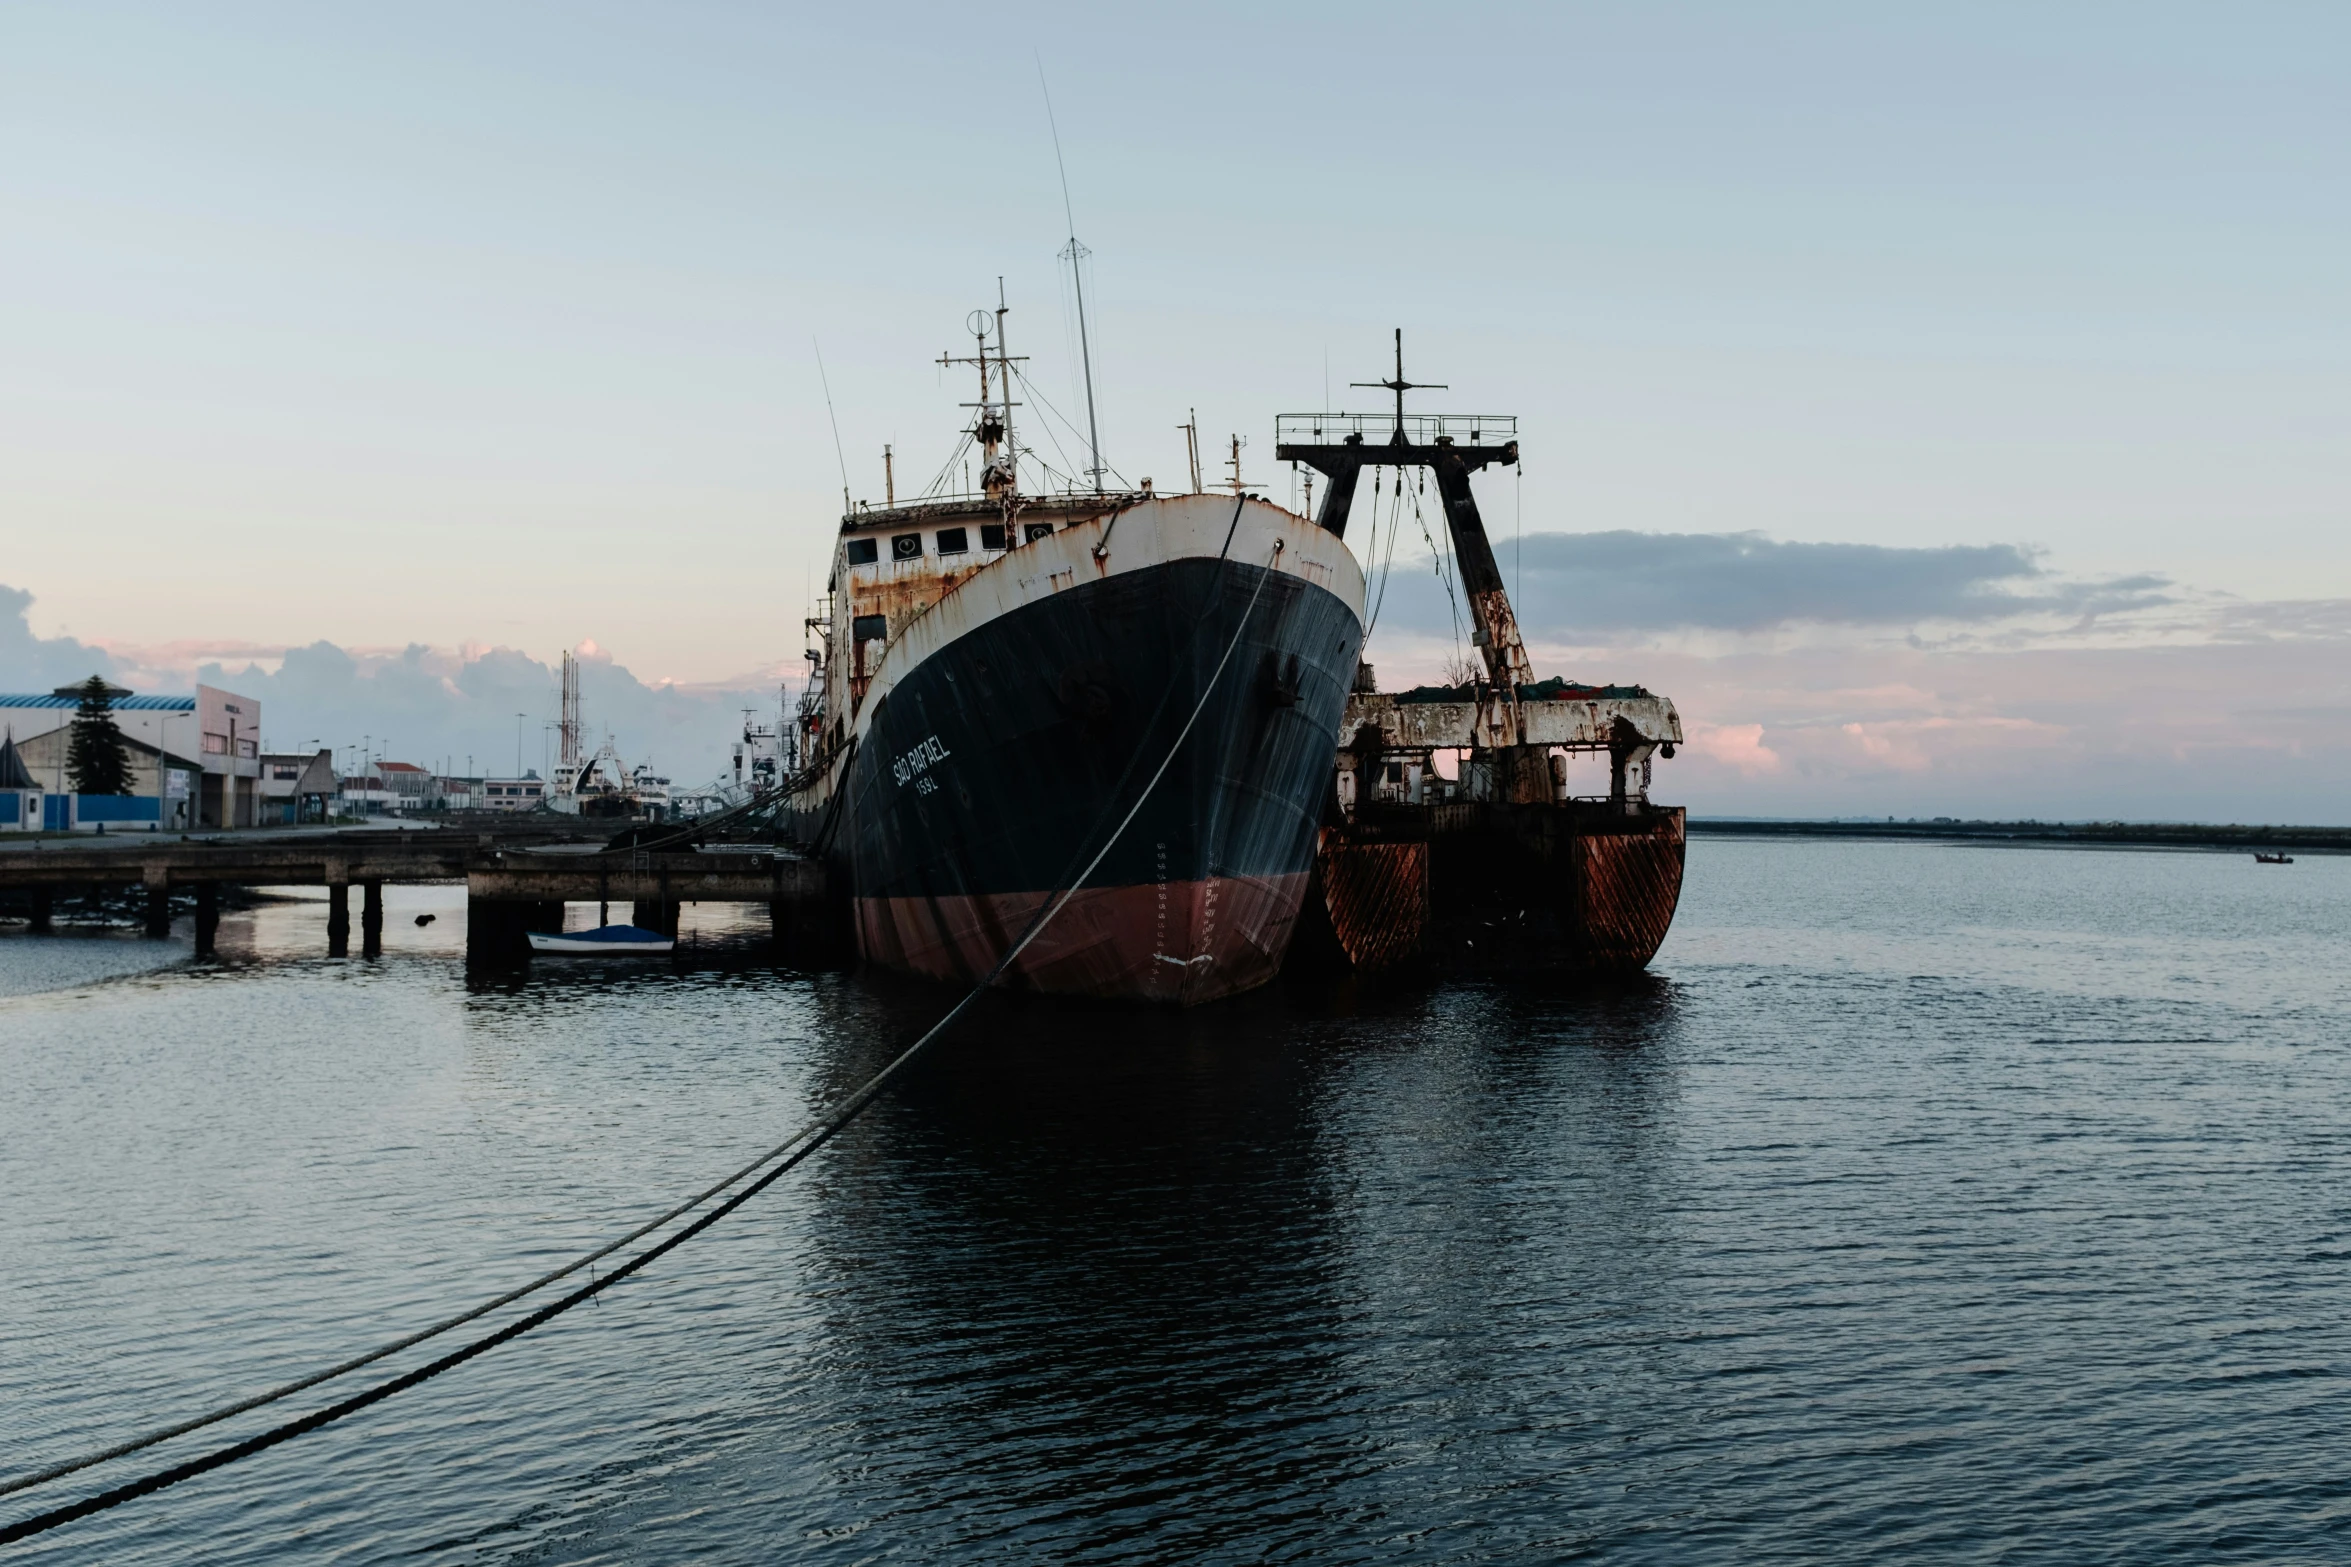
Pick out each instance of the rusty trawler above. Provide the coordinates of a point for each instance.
(1498, 869)
(1137, 697)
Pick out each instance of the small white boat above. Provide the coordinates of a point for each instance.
(605, 941)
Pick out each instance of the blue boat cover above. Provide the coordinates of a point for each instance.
(618, 935)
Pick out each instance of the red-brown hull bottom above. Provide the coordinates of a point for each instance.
(1501, 889)
(1181, 943)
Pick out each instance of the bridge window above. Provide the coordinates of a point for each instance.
(864, 552)
(992, 535)
(905, 546)
(953, 541)
(870, 628)
(1039, 530)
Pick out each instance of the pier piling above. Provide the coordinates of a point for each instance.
(207, 917)
(157, 880)
(338, 919)
(654, 914)
(371, 919)
(494, 933)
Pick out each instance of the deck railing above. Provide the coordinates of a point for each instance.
(1380, 429)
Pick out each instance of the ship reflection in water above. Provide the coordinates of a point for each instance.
(1183, 1294)
(1925, 1203)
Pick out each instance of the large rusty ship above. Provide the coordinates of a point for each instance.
(1001, 673)
(1158, 700)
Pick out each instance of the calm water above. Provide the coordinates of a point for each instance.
(1928, 1204)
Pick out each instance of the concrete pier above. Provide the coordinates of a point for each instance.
(513, 886)
(527, 892)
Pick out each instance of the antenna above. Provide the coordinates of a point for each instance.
(1400, 386)
(1191, 429)
(1004, 379)
(569, 725)
(889, 478)
(1073, 255)
(838, 455)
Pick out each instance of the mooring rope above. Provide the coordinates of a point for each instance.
(793, 1150)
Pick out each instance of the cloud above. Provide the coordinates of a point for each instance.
(36, 663)
(2209, 708)
(2242, 732)
(1739, 747)
(419, 704)
(495, 705)
(2283, 620)
(1566, 585)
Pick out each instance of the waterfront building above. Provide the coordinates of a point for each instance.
(20, 791)
(407, 787)
(220, 729)
(163, 787)
(295, 787)
(526, 793)
(362, 794)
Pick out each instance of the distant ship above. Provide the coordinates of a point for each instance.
(1001, 674)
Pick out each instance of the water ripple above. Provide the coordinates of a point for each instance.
(1933, 1204)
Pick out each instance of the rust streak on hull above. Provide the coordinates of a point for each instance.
(1377, 898)
(1501, 888)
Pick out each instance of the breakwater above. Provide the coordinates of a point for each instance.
(2126, 835)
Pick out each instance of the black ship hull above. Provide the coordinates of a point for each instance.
(993, 771)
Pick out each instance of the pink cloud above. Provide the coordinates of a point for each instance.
(1736, 746)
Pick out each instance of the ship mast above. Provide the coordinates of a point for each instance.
(1073, 255)
(1496, 627)
(992, 423)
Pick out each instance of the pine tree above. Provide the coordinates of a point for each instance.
(96, 760)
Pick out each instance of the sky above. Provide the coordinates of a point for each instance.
(1945, 406)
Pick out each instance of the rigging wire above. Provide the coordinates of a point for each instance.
(1058, 449)
(793, 1150)
(826, 382)
(1438, 562)
(1074, 433)
(947, 468)
(1388, 562)
(1077, 254)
